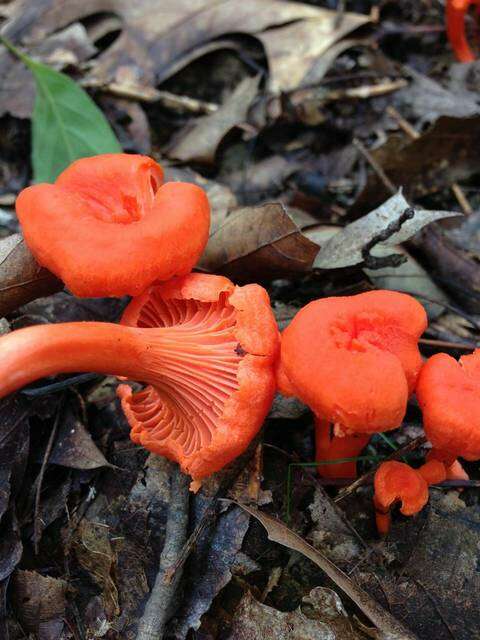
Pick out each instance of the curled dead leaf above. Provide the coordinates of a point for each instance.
(258, 243)
(280, 533)
(21, 277)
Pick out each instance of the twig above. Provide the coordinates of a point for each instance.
(395, 259)
(37, 522)
(446, 344)
(209, 514)
(375, 166)
(413, 134)
(158, 608)
(367, 477)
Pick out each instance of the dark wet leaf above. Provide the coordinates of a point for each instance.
(434, 578)
(280, 533)
(39, 602)
(10, 544)
(258, 243)
(210, 569)
(428, 164)
(74, 446)
(199, 142)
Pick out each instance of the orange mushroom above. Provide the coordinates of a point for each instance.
(448, 393)
(398, 482)
(205, 348)
(455, 13)
(354, 361)
(108, 227)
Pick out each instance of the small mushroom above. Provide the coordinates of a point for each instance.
(448, 393)
(354, 361)
(398, 482)
(455, 14)
(108, 227)
(205, 349)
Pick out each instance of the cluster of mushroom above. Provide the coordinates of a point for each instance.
(209, 353)
(204, 348)
(355, 362)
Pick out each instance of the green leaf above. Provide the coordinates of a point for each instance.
(66, 123)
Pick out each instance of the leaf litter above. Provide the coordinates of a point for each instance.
(260, 104)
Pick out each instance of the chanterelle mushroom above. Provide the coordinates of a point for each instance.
(398, 482)
(108, 227)
(448, 393)
(205, 348)
(354, 361)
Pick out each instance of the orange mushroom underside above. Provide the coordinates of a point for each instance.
(205, 349)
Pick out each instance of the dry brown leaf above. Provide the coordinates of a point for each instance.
(158, 40)
(447, 152)
(96, 556)
(320, 617)
(39, 603)
(21, 277)
(199, 141)
(278, 532)
(258, 243)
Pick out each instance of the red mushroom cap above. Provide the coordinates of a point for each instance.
(108, 227)
(448, 393)
(354, 360)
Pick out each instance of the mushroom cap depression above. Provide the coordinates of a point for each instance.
(108, 227)
(448, 393)
(397, 481)
(354, 360)
(216, 370)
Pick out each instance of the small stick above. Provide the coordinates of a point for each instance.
(375, 166)
(367, 477)
(445, 344)
(209, 514)
(412, 133)
(158, 608)
(37, 529)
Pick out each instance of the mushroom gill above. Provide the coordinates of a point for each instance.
(192, 358)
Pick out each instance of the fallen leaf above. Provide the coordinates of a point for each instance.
(21, 277)
(433, 581)
(280, 533)
(347, 247)
(446, 153)
(39, 603)
(320, 617)
(454, 268)
(74, 446)
(149, 50)
(198, 142)
(210, 569)
(95, 555)
(258, 243)
(425, 100)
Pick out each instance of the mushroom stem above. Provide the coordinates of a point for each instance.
(43, 350)
(330, 447)
(455, 13)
